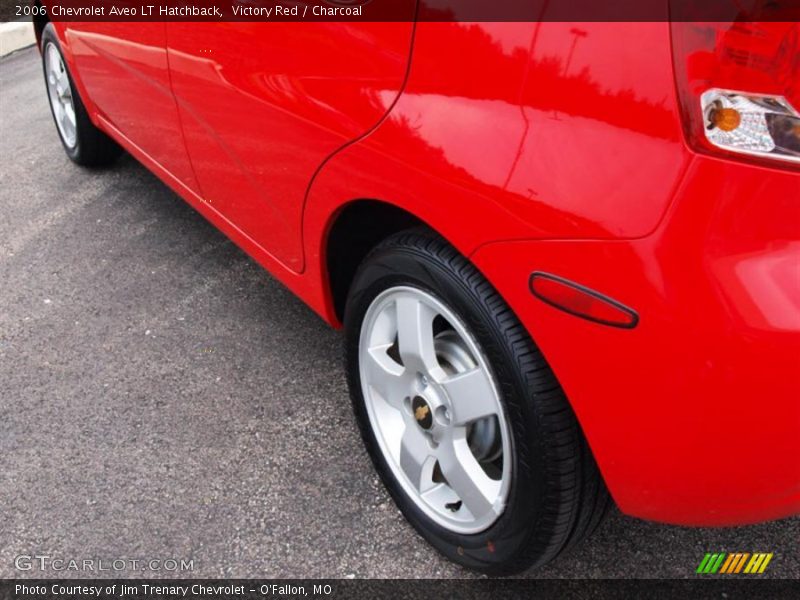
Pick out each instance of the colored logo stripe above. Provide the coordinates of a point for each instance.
(758, 563)
(710, 563)
(734, 562)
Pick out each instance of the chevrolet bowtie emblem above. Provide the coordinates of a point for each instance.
(421, 412)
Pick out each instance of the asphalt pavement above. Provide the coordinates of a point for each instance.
(163, 397)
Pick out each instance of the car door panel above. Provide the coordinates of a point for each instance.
(264, 104)
(123, 68)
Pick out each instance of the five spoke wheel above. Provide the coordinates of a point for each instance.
(60, 94)
(434, 407)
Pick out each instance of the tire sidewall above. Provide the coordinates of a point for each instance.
(504, 539)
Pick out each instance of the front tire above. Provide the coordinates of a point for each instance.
(84, 143)
(463, 418)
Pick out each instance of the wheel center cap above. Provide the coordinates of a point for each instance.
(422, 412)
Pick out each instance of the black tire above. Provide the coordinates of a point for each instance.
(557, 495)
(92, 147)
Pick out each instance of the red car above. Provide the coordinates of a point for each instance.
(566, 256)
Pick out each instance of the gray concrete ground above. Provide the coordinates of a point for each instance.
(161, 396)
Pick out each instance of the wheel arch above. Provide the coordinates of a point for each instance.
(353, 230)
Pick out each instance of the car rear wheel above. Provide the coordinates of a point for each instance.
(464, 420)
(84, 143)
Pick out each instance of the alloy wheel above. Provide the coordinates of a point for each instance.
(435, 410)
(59, 92)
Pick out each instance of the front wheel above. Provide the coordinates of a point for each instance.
(83, 142)
(464, 420)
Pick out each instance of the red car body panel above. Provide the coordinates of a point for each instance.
(294, 108)
(553, 147)
(123, 66)
(693, 415)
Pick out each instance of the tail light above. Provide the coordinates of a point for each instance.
(739, 85)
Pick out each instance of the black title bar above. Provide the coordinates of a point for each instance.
(401, 10)
(731, 588)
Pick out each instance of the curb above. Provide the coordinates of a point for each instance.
(15, 35)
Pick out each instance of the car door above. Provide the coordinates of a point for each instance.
(263, 104)
(123, 67)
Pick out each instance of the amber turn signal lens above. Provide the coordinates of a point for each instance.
(726, 119)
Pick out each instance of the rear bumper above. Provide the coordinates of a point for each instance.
(694, 414)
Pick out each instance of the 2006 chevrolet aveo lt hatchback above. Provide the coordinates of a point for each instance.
(564, 255)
